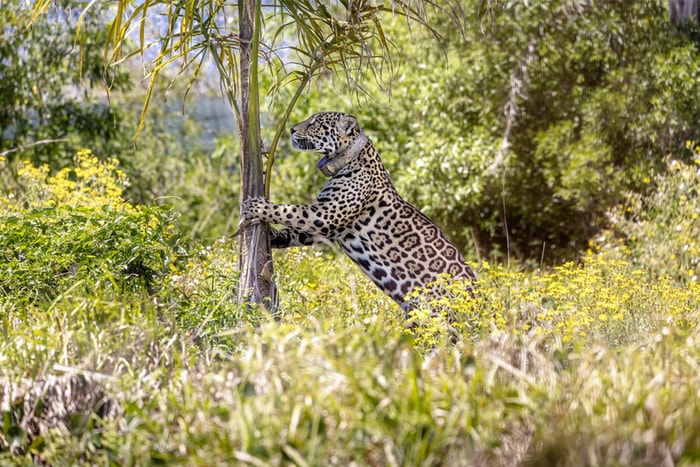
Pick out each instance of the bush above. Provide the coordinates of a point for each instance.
(601, 302)
(83, 102)
(592, 354)
(75, 229)
(51, 76)
(658, 232)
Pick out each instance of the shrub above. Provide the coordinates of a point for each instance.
(600, 301)
(587, 97)
(541, 373)
(52, 75)
(75, 229)
(659, 232)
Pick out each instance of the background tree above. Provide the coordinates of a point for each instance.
(684, 10)
(56, 98)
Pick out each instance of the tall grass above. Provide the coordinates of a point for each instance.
(104, 363)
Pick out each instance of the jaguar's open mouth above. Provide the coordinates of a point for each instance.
(302, 144)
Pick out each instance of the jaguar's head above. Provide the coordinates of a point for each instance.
(336, 135)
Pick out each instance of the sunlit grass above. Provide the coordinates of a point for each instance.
(592, 363)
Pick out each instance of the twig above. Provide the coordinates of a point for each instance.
(35, 143)
(519, 80)
(244, 223)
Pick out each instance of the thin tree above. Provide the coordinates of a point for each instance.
(343, 37)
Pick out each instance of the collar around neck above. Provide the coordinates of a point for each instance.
(330, 167)
(355, 147)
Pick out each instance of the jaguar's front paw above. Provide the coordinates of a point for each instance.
(254, 208)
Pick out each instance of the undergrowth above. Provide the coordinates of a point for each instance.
(123, 345)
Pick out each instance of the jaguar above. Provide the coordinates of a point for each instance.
(394, 244)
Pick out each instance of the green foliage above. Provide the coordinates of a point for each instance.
(206, 192)
(594, 115)
(170, 164)
(199, 292)
(538, 116)
(659, 231)
(49, 74)
(75, 230)
(58, 96)
(122, 344)
(304, 298)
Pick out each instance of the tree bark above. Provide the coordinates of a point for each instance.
(684, 10)
(255, 255)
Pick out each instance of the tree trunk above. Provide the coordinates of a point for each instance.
(255, 256)
(684, 10)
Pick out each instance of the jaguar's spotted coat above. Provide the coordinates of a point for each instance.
(397, 246)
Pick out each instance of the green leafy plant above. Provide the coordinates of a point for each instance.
(74, 228)
(658, 231)
(52, 75)
(593, 354)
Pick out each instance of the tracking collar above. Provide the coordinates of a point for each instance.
(330, 167)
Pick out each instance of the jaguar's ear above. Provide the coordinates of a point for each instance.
(346, 123)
